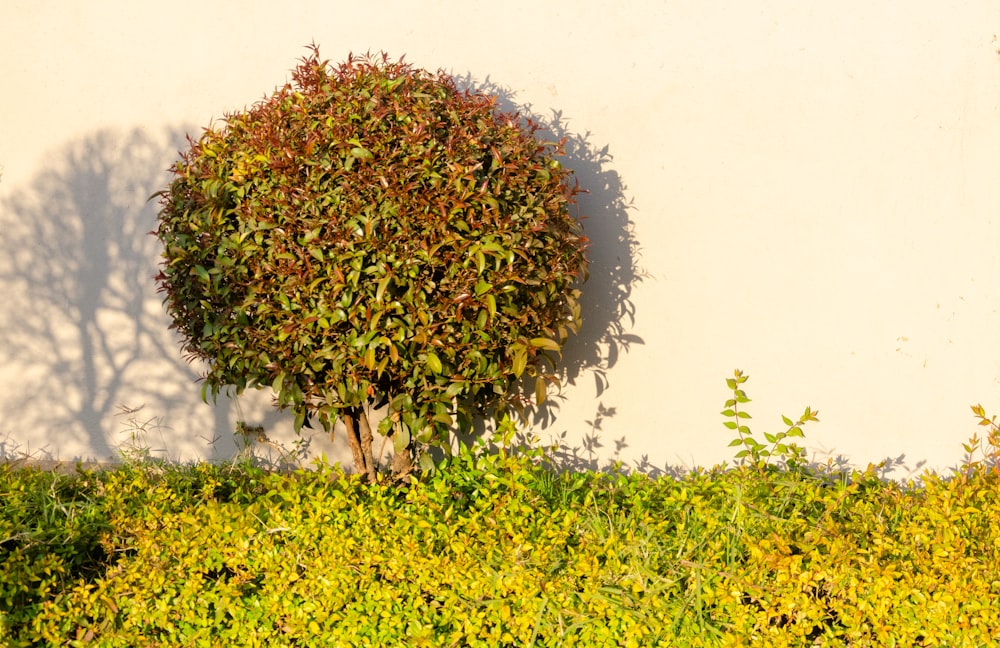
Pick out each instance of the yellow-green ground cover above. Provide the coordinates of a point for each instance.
(494, 550)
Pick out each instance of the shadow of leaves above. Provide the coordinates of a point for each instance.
(607, 309)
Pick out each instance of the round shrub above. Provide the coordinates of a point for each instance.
(371, 234)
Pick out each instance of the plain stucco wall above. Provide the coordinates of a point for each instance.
(805, 191)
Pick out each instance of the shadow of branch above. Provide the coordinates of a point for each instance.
(85, 331)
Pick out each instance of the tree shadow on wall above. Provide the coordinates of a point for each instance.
(606, 305)
(85, 331)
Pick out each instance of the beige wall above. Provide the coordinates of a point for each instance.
(811, 188)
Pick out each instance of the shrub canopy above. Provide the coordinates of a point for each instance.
(368, 234)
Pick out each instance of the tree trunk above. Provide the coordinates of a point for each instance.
(366, 446)
(359, 437)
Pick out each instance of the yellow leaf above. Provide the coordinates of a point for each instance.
(541, 391)
(520, 362)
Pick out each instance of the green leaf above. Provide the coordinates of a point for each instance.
(202, 273)
(401, 403)
(382, 285)
(454, 389)
(425, 433)
(427, 463)
(434, 362)
(730, 424)
(296, 394)
(361, 153)
(401, 438)
(545, 343)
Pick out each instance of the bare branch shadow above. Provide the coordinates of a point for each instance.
(85, 333)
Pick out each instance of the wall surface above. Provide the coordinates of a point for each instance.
(804, 191)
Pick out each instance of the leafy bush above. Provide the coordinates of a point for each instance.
(370, 234)
(51, 526)
(497, 550)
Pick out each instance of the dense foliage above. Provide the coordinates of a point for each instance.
(371, 234)
(502, 550)
(497, 551)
